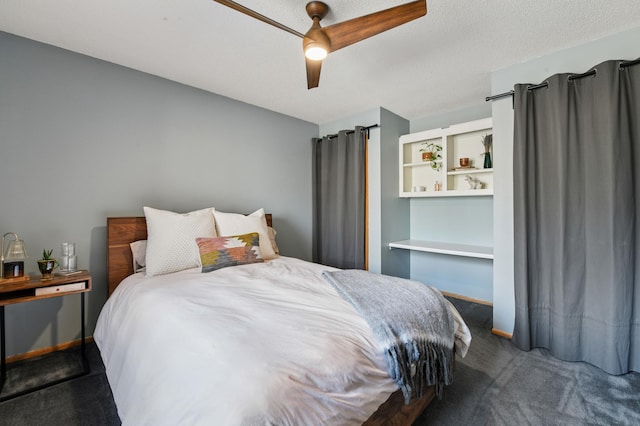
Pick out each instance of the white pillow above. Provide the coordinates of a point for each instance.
(139, 253)
(171, 239)
(229, 224)
(272, 238)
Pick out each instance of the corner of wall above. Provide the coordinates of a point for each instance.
(394, 211)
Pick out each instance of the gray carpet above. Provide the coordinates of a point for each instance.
(86, 400)
(496, 384)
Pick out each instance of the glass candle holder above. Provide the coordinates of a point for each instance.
(68, 258)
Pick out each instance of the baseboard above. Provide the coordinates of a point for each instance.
(466, 298)
(501, 333)
(47, 350)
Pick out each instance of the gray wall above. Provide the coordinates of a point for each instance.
(394, 210)
(579, 59)
(82, 139)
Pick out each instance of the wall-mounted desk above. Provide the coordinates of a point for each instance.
(454, 249)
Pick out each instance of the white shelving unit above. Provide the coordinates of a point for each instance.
(466, 250)
(457, 141)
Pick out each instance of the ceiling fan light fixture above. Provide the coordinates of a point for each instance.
(316, 44)
(315, 53)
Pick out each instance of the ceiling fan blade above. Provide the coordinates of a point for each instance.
(256, 15)
(346, 33)
(313, 72)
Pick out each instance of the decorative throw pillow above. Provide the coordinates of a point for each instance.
(237, 224)
(220, 252)
(171, 245)
(139, 255)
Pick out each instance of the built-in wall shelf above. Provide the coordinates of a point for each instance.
(454, 249)
(445, 175)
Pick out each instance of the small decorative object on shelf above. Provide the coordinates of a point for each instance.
(47, 264)
(464, 162)
(68, 258)
(487, 141)
(437, 186)
(12, 262)
(473, 182)
(431, 152)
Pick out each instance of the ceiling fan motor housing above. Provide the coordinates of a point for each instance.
(317, 9)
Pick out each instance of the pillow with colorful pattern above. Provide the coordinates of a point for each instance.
(220, 252)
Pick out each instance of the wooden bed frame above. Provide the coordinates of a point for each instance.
(121, 231)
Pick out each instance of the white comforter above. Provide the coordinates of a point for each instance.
(268, 343)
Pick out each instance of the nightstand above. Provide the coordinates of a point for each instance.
(37, 289)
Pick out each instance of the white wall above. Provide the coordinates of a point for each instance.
(625, 45)
(503, 292)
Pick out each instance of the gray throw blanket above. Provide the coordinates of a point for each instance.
(411, 320)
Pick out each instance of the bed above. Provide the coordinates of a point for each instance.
(261, 382)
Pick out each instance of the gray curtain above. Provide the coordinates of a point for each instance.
(339, 199)
(577, 217)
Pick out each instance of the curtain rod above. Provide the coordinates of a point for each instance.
(365, 128)
(572, 77)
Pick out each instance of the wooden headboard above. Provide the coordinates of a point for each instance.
(121, 231)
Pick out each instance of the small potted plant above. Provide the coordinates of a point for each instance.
(431, 152)
(47, 264)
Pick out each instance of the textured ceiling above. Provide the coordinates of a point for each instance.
(438, 63)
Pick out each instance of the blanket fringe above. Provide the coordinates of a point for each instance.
(415, 366)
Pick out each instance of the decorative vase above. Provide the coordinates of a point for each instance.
(46, 267)
(487, 160)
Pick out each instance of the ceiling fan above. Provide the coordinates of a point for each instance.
(319, 41)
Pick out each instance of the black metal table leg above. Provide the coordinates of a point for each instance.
(83, 345)
(3, 361)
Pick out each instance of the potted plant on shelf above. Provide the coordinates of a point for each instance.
(47, 264)
(431, 152)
